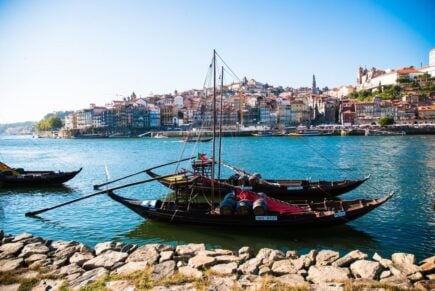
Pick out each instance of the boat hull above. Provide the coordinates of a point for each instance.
(37, 178)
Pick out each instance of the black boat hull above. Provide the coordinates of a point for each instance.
(37, 178)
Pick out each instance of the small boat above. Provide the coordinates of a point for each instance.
(309, 132)
(20, 177)
(196, 139)
(262, 134)
(248, 209)
(160, 135)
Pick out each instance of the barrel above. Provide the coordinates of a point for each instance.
(259, 207)
(243, 207)
(227, 205)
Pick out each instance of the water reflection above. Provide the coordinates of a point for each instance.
(53, 190)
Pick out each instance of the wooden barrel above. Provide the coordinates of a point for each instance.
(227, 205)
(243, 207)
(259, 207)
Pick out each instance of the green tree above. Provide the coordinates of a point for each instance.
(49, 123)
(386, 120)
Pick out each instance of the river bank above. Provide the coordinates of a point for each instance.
(28, 262)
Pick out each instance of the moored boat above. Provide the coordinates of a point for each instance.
(196, 139)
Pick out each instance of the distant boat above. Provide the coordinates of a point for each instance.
(309, 132)
(262, 134)
(196, 139)
(160, 135)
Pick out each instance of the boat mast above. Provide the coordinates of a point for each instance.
(220, 125)
(214, 127)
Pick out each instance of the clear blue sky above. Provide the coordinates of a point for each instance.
(63, 55)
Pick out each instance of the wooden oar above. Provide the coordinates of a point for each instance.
(96, 187)
(33, 213)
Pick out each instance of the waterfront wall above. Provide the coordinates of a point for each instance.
(28, 262)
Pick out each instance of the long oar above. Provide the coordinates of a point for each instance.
(96, 187)
(33, 213)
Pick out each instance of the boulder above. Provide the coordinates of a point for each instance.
(427, 266)
(11, 265)
(65, 253)
(130, 268)
(225, 269)
(146, 253)
(415, 277)
(104, 246)
(366, 269)
(292, 279)
(61, 244)
(397, 281)
(250, 266)
(120, 285)
(326, 257)
(46, 285)
(264, 270)
(166, 256)
(33, 249)
(58, 263)
(201, 261)
(128, 248)
(403, 258)
(108, 260)
(385, 274)
(292, 254)
(88, 277)
(80, 258)
(268, 256)
(249, 282)
(221, 284)
(188, 271)
(385, 263)
(319, 274)
(349, 258)
(246, 253)
(189, 249)
(405, 269)
(70, 269)
(22, 237)
(286, 266)
(10, 250)
(309, 259)
(163, 270)
(227, 259)
(33, 258)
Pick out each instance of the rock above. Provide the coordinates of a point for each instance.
(366, 269)
(146, 253)
(264, 270)
(427, 266)
(326, 257)
(48, 285)
(250, 266)
(10, 265)
(221, 284)
(80, 258)
(166, 256)
(309, 259)
(403, 258)
(163, 270)
(430, 276)
(70, 269)
(108, 259)
(225, 269)
(318, 274)
(188, 271)
(292, 279)
(88, 277)
(33, 258)
(130, 268)
(349, 258)
(10, 287)
(22, 237)
(222, 252)
(415, 277)
(292, 254)
(65, 253)
(60, 245)
(249, 282)
(228, 259)
(425, 285)
(187, 286)
(268, 256)
(246, 253)
(327, 287)
(181, 264)
(385, 274)
(120, 285)
(189, 249)
(406, 269)
(201, 261)
(40, 263)
(33, 249)
(128, 248)
(10, 250)
(104, 246)
(285, 267)
(56, 264)
(398, 281)
(303, 272)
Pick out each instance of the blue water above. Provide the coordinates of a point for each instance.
(405, 165)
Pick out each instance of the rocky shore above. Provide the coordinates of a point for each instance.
(28, 262)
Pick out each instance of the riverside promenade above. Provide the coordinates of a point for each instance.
(29, 262)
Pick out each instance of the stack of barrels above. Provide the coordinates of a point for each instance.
(242, 207)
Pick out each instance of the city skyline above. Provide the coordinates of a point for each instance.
(66, 55)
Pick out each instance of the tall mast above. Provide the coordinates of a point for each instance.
(214, 126)
(220, 124)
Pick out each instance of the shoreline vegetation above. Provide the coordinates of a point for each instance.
(29, 262)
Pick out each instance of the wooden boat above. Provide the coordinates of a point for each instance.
(20, 177)
(279, 188)
(309, 132)
(196, 139)
(301, 215)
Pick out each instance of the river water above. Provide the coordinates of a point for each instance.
(405, 165)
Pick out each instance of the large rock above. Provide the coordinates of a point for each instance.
(427, 266)
(309, 259)
(61, 244)
(189, 249)
(318, 274)
(131, 267)
(70, 269)
(188, 271)
(10, 250)
(66, 253)
(405, 269)
(10, 265)
(292, 254)
(403, 258)
(286, 266)
(147, 253)
(221, 284)
(292, 280)
(87, 278)
(163, 270)
(33, 258)
(250, 266)
(349, 258)
(398, 281)
(201, 261)
(224, 259)
(108, 260)
(33, 249)
(366, 269)
(269, 256)
(326, 257)
(104, 246)
(22, 237)
(80, 258)
(224, 269)
(385, 263)
(166, 256)
(245, 253)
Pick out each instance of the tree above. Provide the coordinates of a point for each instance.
(386, 120)
(49, 123)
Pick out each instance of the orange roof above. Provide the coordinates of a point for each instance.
(408, 71)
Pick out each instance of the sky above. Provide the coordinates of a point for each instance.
(64, 55)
